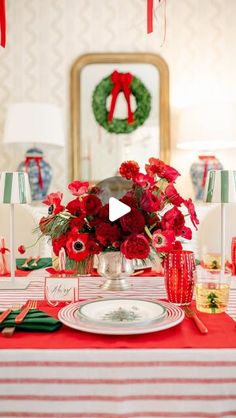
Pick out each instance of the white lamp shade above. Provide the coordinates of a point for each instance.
(207, 127)
(33, 123)
(220, 186)
(14, 187)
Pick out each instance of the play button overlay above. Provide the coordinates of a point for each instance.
(117, 209)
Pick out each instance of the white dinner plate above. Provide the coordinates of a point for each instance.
(70, 317)
(122, 311)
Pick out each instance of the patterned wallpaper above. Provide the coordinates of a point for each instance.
(46, 36)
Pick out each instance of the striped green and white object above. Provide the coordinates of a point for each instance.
(14, 188)
(220, 186)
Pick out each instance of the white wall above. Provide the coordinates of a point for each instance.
(44, 37)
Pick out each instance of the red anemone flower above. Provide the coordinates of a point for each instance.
(76, 246)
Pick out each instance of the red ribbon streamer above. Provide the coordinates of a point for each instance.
(3, 23)
(55, 272)
(121, 82)
(37, 161)
(149, 16)
(208, 159)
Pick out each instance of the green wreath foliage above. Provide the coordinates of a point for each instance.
(121, 126)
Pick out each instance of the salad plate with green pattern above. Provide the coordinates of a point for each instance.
(121, 316)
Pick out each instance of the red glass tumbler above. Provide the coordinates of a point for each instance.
(179, 273)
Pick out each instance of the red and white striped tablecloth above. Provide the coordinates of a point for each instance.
(116, 383)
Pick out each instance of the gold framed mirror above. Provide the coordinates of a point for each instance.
(97, 153)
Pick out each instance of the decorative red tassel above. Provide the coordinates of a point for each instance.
(149, 16)
(3, 23)
(37, 161)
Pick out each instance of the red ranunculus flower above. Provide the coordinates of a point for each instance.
(74, 207)
(90, 204)
(173, 220)
(77, 222)
(133, 221)
(159, 168)
(78, 188)
(104, 213)
(129, 169)
(172, 195)
(191, 210)
(151, 202)
(144, 181)
(58, 243)
(76, 246)
(186, 232)
(92, 246)
(163, 240)
(177, 245)
(129, 199)
(106, 233)
(53, 200)
(135, 246)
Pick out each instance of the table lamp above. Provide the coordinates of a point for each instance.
(34, 123)
(206, 128)
(221, 188)
(14, 189)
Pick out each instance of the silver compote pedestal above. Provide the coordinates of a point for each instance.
(116, 269)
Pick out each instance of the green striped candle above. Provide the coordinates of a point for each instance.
(220, 186)
(14, 188)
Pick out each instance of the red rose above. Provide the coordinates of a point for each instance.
(53, 200)
(129, 169)
(58, 243)
(107, 234)
(76, 246)
(172, 195)
(159, 168)
(91, 204)
(151, 202)
(173, 220)
(163, 240)
(133, 222)
(191, 210)
(136, 246)
(74, 207)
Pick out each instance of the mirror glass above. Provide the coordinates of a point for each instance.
(98, 153)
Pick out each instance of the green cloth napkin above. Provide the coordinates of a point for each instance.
(35, 320)
(42, 263)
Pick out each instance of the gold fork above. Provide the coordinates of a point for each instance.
(8, 331)
(32, 304)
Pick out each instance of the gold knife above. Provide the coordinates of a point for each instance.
(190, 313)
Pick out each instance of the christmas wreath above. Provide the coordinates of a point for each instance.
(114, 84)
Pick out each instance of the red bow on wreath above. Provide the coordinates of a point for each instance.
(121, 82)
(2, 23)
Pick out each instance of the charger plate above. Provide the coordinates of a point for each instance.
(70, 316)
(122, 311)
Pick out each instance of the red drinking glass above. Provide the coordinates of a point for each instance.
(179, 273)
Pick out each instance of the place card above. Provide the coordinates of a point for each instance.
(61, 289)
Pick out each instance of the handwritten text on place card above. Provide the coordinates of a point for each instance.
(62, 289)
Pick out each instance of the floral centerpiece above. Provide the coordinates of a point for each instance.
(156, 220)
